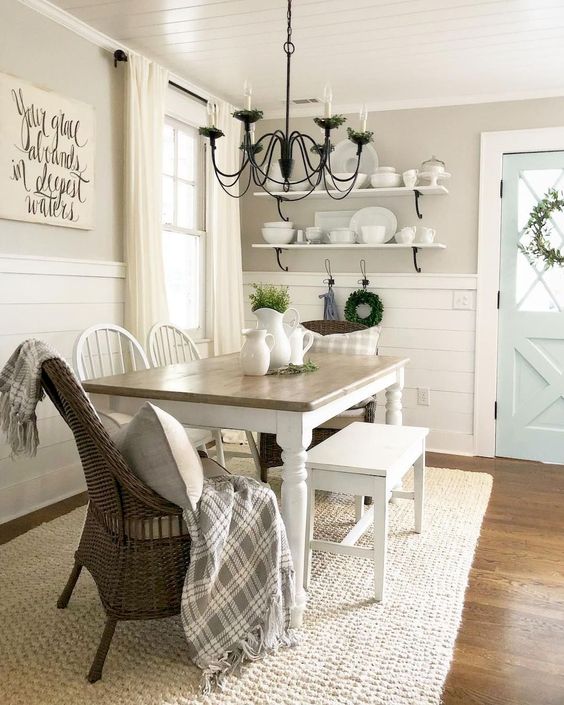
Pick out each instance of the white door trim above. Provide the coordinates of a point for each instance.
(493, 146)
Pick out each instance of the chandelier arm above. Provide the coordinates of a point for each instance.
(236, 174)
(226, 187)
(300, 139)
(315, 173)
(257, 170)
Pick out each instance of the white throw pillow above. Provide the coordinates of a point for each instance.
(158, 451)
(360, 342)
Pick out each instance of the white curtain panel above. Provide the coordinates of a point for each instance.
(224, 237)
(146, 301)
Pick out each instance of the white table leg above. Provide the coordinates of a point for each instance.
(293, 438)
(380, 498)
(393, 410)
(393, 401)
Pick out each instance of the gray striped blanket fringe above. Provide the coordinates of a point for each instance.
(20, 392)
(240, 586)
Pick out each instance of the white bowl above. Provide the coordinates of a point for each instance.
(278, 224)
(385, 170)
(359, 182)
(385, 180)
(278, 236)
(372, 234)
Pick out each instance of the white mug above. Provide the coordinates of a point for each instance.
(406, 235)
(301, 341)
(372, 234)
(410, 177)
(425, 234)
(341, 235)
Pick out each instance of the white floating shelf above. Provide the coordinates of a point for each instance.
(362, 192)
(413, 246)
(359, 246)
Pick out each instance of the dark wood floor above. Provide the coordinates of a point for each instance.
(510, 648)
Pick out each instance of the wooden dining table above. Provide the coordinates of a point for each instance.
(213, 393)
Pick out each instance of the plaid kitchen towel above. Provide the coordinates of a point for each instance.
(240, 582)
(20, 392)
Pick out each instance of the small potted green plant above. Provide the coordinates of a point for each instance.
(269, 303)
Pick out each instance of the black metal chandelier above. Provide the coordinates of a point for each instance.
(283, 145)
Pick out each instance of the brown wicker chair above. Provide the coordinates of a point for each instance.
(271, 453)
(134, 542)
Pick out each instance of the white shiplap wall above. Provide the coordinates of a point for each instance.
(420, 322)
(51, 299)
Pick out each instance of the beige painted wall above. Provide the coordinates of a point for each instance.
(403, 139)
(45, 53)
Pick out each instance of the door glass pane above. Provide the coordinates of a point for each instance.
(168, 200)
(537, 288)
(185, 205)
(186, 155)
(168, 150)
(182, 270)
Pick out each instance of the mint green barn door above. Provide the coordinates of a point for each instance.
(530, 388)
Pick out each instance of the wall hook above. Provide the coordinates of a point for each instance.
(278, 251)
(330, 281)
(364, 281)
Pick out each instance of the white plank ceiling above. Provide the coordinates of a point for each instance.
(385, 53)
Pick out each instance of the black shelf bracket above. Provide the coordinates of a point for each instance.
(279, 201)
(278, 251)
(418, 195)
(417, 267)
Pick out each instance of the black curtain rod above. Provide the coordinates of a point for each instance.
(120, 55)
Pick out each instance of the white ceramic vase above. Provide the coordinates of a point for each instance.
(255, 353)
(273, 322)
(301, 341)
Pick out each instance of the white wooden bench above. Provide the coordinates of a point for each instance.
(366, 459)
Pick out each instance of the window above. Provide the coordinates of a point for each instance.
(183, 235)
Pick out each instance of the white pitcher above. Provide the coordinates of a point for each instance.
(255, 353)
(273, 322)
(301, 341)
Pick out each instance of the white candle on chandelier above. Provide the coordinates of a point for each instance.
(327, 98)
(363, 117)
(210, 107)
(247, 92)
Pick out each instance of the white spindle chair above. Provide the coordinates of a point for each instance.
(106, 349)
(169, 345)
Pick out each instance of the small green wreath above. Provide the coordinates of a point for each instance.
(360, 137)
(539, 248)
(359, 297)
(330, 122)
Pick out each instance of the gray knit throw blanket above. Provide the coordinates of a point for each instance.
(240, 582)
(20, 392)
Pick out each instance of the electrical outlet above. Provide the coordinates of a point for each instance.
(424, 396)
(463, 300)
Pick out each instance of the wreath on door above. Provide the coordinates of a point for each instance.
(362, 297)
(539, 249)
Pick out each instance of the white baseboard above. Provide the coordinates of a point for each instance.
(450, 442)
(25, 497)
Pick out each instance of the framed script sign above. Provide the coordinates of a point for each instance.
(46, 156)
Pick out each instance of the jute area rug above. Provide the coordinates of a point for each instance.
(353, 650)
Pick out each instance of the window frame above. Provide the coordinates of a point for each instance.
(199, 184)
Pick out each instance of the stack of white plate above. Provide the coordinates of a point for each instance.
(385, 177)
(279, 232)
